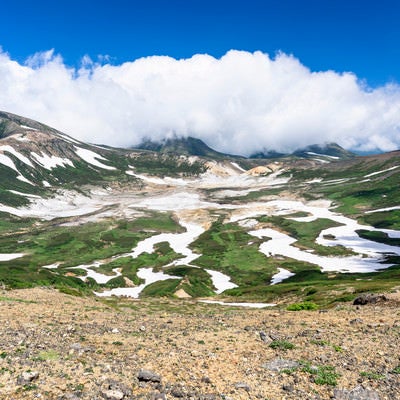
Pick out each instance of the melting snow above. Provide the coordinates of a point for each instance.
(50, 162)
(238, 166)
(381, 172)
(33, 196)
(92, 158)
(28, 127)
(149, 277)
(10, 163)
(65, 204)
(11, 256)
(221, 281)
(322, 155)
(18, 155)
(281, 276)
(250, 305)
(98, 277)
(383, 209)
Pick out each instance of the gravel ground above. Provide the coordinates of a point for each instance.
(55, 346)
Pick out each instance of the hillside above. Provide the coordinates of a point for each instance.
(188, 146)
(56, 346)
(102, 221)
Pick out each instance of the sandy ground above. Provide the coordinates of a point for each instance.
(86, 348)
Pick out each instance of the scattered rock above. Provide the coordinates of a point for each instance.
(27, 377)
(158, 396)
(287, 387)
(279, 364)
(264, 337)
(356, 321)
(113, 395)
(69, 396)
(242, 385)
(358, 393)
(146, 375)
(369, 298)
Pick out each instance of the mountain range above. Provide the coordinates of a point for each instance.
(177, 218)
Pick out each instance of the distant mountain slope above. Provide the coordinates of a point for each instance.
(188, 146)
(329, 150)
(325, 152)
(35, 159)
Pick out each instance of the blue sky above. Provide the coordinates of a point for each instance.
(243, 75)
(361, 36)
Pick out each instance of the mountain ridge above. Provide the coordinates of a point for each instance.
(98, 215)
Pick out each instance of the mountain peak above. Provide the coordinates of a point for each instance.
(188, 146)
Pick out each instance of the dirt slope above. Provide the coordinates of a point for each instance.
(55, 346)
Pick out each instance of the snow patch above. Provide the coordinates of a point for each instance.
(381, 172)
(281, 276)
(28, 128)
(322, 155)
(249, 305)
(92, 158)
(50, 162)
(221, 281)
(18, 155)
(383, 209)
(238, 167)
(10, 256)
(149, 277)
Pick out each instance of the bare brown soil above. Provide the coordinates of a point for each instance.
(86, 348)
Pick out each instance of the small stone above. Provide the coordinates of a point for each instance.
(146, 375)
(27, 377)
(142, 328)
(158, 396)
(356, 321)
(369, 298)
(206, 379)
(115, 330)
(113, 395)
(242, 385)
(264, 337)
(358, 393)
(69, 396)
(279, 364)
(287, 387)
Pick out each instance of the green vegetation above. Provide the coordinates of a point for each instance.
(302, 306)
(47, 243)
(161, 288)
(372, 375)
(281, 345)
(322, 375)
(396, 370)
(377, 236)
(50, 355)
(307, 232)
(195, 281)
(166, 165)
(230, 249)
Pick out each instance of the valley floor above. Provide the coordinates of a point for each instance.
(55, 346)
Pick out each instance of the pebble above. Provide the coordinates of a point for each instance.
(146, 375)
(279, 364)
(242, 385)
(358, 393)
(113, 395)
(27, 377)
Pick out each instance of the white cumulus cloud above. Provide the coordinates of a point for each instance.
(240, 103)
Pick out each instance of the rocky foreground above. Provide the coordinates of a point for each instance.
(56, 346)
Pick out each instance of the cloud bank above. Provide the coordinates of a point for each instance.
(240, 103)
